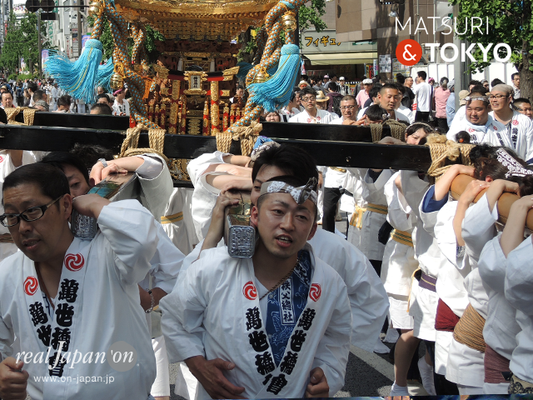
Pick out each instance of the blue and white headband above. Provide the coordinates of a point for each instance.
(300, 194)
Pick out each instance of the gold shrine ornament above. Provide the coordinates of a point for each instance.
(288, 22)
(116, 81)
(261, 76)
(94, 8)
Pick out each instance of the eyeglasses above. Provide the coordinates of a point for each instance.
(308, 99)
(29, 215)
(497, 96)
(347, 107)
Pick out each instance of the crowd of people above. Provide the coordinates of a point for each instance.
(157, 280)
(46, 95)
(427, 247)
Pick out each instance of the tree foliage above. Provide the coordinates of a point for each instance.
(509, 21)
(21, 43)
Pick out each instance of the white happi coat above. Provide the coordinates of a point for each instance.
(204, 196)
(492, 133)
(519, 292)
(177, 220)
(196, 322)
(399, 260)
(372, 221)
(520, 133)
(322, 117)
(368, 299)
(424, 302)
(355, 185)
(466, 365)
(106, 309)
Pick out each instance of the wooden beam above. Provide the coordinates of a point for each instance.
(331, 153)
(87, 121)
(325, 132)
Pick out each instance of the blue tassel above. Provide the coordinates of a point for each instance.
(104, 75)
(276, 92)
(244, 68)
(77, 78)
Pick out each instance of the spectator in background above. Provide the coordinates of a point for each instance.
(101, 109)
(121, 107)
(523, 106)
(495, 82)
(343, 90)
(39, 95)
(63, 104)
(442, 93)
(423, 92)
(7, 100)
(408, 96)
(516, 84)
(450, 103)
(485, 84)
(32, 88)
(335, 98)
(103, 99)
(364, 94)
(322, 101)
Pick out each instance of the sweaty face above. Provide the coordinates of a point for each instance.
(499, 100)
(284, 226)
(416, 137)
(348, 109)
(387, 99)
(42, 240)
(477, 112)
(76, 181)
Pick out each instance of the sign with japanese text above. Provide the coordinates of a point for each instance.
(326, 42)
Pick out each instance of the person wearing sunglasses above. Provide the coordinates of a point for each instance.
(519, 128)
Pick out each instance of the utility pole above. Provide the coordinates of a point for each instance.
(39, 44)
(79, 27)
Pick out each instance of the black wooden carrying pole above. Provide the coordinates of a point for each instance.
(331, 145)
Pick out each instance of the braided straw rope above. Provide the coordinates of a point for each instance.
(29, 115)
(397, 130)
(130, 144)
(246, 134)
(441, 152)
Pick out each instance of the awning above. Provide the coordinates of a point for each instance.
(341, 58)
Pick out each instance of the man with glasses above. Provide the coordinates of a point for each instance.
(311, 114)
(519, 127)
(66, 301)
(523, 106)
(481, 127)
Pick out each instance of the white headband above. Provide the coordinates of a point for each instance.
(513, 166)
(300, 194)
